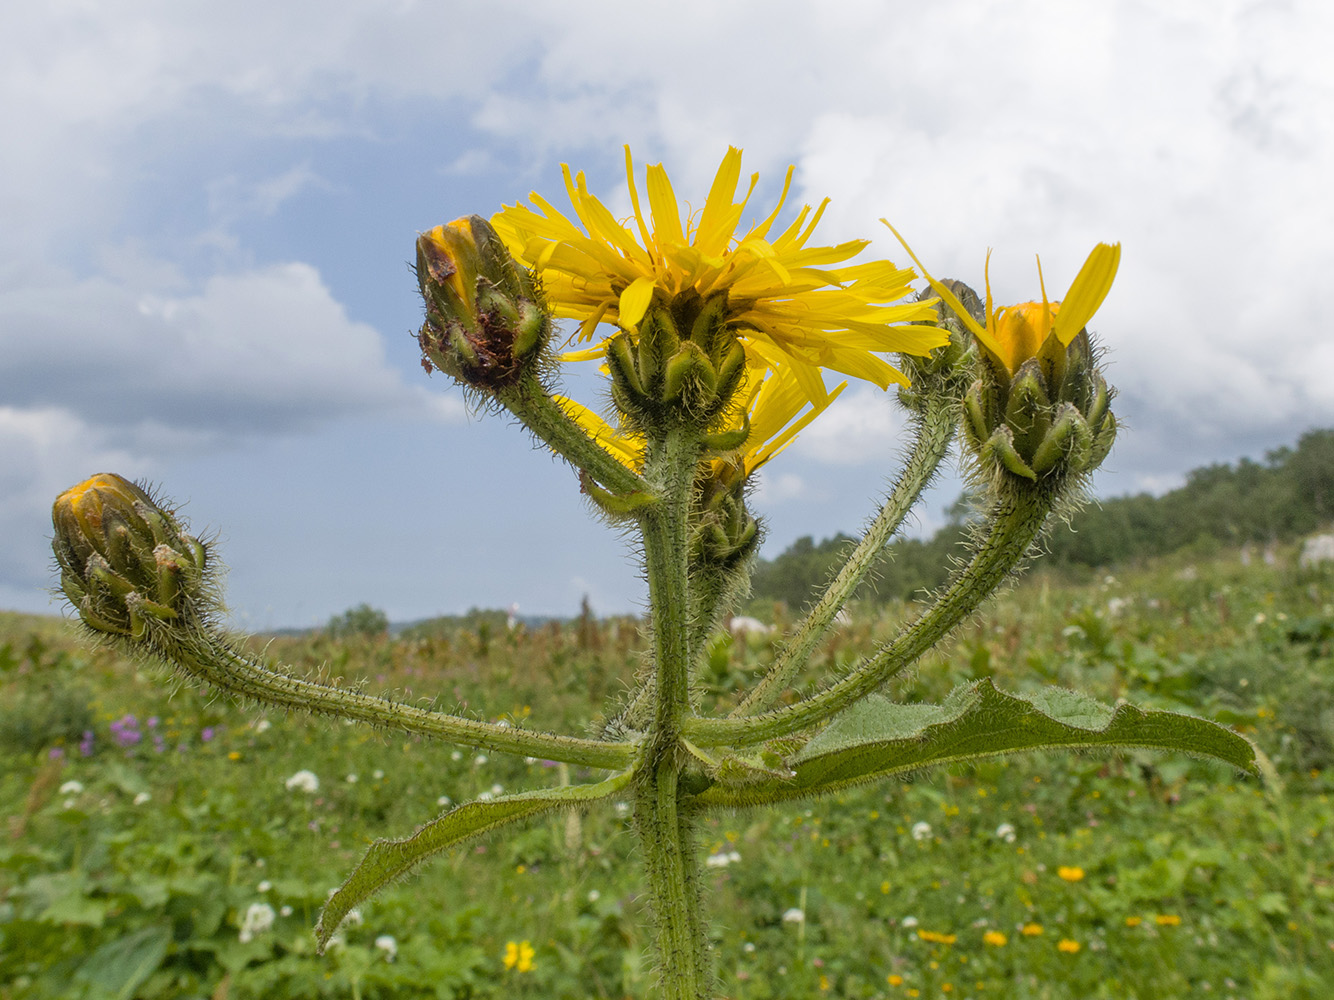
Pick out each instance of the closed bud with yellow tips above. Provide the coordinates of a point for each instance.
(123, 558)
(486, 323)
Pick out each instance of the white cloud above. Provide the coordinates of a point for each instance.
(265, 350)
(773, 488)
(46, 449)
(863, 425)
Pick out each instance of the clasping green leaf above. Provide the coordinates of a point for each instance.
(877, 738)
(387, 860)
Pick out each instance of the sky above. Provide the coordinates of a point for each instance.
(209, 213)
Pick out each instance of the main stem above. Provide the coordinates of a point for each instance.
(666, 833)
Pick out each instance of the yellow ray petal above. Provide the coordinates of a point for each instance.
(1088, 291)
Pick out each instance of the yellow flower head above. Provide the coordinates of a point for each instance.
(795, 305)
(519, 956)
(995, 938)
(1068, 946)
(1070, 873)
(1013, 334)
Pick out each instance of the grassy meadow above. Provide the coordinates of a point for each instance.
(161, 843)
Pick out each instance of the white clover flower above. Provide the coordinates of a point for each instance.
(594, 895)
(484, 796)
(264, 886)
(480, 759)
(387, 944)
(456, 755)
(353, 918)
(748, 947)
(443, 801)
(141, 798)
(285, 911)
(71, 788)
(497, 789)
(352, 779)
(622, 808)
(1006, 832)
(303, 781)
(921, 830)
(909, 922)
(377, 774)
(258, 918)
(263, 726)
(794, 915)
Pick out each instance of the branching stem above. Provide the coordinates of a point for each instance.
(935, 430)
(1016, 520)
(210, 658)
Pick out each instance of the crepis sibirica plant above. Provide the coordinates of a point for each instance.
(720, 340)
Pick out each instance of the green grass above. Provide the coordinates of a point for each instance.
(1195, 882)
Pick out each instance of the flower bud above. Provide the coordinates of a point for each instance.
(123, 559)
(723, 533)
(1040, 408)
(949, 368)
(486, 322)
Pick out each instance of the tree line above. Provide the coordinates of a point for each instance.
(1286, 496)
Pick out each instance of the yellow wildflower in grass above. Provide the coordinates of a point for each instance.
(1031, 930)
(894, 979)
(519, 956)
(1167, 920)
(1068, 946)
(995, 938)
(804, 304)
(1013, 334)
(936, 937)
(1070, 873)
(1134, 921)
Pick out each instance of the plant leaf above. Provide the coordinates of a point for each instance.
(387, 860)
(877, 738)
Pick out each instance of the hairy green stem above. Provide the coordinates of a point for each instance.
(1016, 519)
(210, 658)
(665, 839)
(544, 417)
(935, 430)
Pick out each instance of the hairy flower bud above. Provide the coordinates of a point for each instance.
(949, 368)
(723, 533)
(1040, 408)
(123, 558)
(485, 318)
